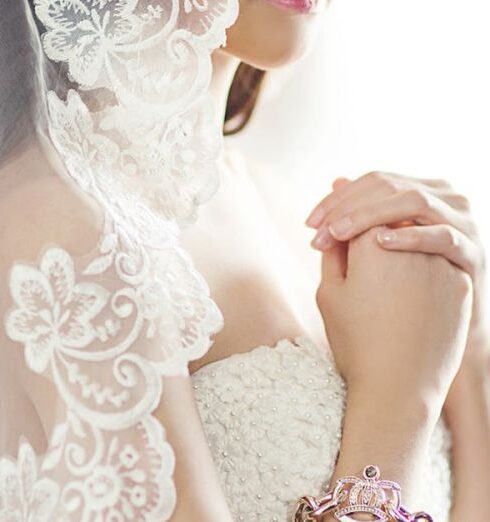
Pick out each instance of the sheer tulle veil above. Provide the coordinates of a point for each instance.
(119, 90)
(21, 79)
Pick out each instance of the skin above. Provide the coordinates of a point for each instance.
(195, 472)
(381, 198)
(233, 269)
(429, 216)
(398, 359)
(268, 37)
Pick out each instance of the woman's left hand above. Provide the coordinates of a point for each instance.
(404, 204)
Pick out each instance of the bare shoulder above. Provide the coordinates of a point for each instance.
(38, 207)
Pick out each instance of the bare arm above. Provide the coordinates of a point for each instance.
(46, 214)
(468, 415)
(390, 430)
(398, 327)
(199, 494)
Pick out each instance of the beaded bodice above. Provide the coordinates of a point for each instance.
(273, 419)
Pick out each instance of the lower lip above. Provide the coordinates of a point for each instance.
(298, 6)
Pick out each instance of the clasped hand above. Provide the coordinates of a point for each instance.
(411, 215)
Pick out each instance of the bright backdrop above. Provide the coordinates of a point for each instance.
(395, 85)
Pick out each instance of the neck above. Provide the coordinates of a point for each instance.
(224, 68)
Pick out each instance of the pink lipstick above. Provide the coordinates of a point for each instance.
(299, 6)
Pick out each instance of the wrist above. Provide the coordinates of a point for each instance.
(472, 384)
(388, 428)
(419, 407)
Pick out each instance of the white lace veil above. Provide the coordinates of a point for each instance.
(107, 146)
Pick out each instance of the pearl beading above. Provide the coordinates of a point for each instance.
(273, 419)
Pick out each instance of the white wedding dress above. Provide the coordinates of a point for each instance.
(108, 147)
(273, 419)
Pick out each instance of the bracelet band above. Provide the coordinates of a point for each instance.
(369, 495)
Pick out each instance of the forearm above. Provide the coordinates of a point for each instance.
(468, 415)
(388, 429)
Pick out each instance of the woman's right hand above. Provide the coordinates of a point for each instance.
(396, 321)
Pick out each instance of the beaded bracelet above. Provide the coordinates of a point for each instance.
(381, 499)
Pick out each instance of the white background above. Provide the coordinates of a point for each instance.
(395, 85)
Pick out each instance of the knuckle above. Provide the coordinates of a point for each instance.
(375, 176)
(462, 201)
(383, 181)
(320, 295)
(462, 281)
(388, 185)
(421, 199)
(443, 183)
(456, 278)
(450, 237)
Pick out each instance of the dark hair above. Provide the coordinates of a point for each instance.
(22, 76)
(242, 98)
(18, 79)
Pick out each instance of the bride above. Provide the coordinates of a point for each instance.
(161, 361)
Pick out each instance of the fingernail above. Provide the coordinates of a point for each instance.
(323, 239)
(316, 217)
(341, 227)
(386, 236)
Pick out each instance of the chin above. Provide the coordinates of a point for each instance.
(268, 35)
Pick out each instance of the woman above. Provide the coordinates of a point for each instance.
(104, 312)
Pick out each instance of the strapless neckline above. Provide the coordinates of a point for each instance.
(273, 420)
(298, 341)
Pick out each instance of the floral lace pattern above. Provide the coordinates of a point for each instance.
(136, 134)
(157, 137)
(273, 418)
(54, 312)
(104, 329)
(23, 495)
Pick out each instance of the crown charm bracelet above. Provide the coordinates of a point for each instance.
(352, 496)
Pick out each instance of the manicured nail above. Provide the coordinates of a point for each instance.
(323, 239)
(341, 227)
(386, 236)
(316, 217)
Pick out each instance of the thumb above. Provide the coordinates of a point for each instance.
(334, 262)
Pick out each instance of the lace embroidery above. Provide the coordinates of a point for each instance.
(23, 494)
(54, 312)
(107, 326)
(158, 140)
(105, 332)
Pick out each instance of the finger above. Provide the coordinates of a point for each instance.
(334, 263)
(340, 182)
(436, 183)
(441, 239)
(421, 207)
(373, 183)
(335, 197)
(324, 239)
(373, 186)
